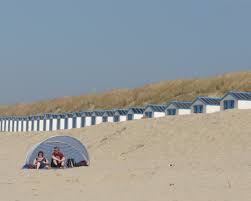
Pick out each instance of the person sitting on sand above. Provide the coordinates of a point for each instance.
(41, 162)
(58, 158)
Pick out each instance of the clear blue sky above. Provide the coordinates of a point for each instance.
(54, 48)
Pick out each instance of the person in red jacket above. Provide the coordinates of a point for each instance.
(58, 159)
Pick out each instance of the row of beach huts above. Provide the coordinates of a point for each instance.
(53, 122)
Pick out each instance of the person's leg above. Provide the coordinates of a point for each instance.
(42, 165)
(55, 163)
(38, 165)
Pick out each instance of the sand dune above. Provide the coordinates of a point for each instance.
(182, 158)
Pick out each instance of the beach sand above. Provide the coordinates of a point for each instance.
(182, 158)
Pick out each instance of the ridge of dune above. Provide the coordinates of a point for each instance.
(201, 157)
(157, 93)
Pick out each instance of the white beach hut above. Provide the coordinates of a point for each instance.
(40, 122)
(2, 124)
(7, 124)
(68, 121)
(29, 124)
(178, 108)
(4, 121)
(19, 124)
(97, 117)
(205, 105)
(49, 122)
(12, 122)
(74, 119)
(60, 119)
(77, 120)
(1, 119)
(46, 122)
(154, 111)
(120, 115)
(87, 118)
(237, 100)
(108, 116)
(52, 122)
(135, 113)
(33, 123)
(24, 124)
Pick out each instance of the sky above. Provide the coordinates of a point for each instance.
(55, 48)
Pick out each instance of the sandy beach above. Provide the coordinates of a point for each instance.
(203, 157)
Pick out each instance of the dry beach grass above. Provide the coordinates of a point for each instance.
(152, 93)
(182, 158)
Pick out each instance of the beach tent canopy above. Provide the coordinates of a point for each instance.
(69, 146)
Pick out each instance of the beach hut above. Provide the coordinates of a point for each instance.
(1, 119)
(97, 117)
(120, 115)
(33, 120)
(135, 113)
(46, 122)
(108, 116)
(13, 124)
(10, 127)
(76, 119)
(9, 121)
(40, 122)
(66, 122)
(86, 118)
(14, 129)
(53, 122)
(50, 122)
(19, 124)
(178, 108)
(4, 122)
(236, 100)
(71, 147)
(154, 111)
(24, 124)
(205, 105)
(7, 124)
(29, 124)
(60, 119)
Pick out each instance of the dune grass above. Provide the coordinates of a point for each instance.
(158, 93)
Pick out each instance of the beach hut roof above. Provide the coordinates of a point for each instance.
(69, 146)
(122, 111)
(137, 110)
(157, 108)
(68, 115)
(49, 116)
(239, 95)
(181, 104)
(208, 100)
(98, 113)
(109, 113)
(87, 113)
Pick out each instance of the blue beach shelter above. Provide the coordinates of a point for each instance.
(69, 146)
